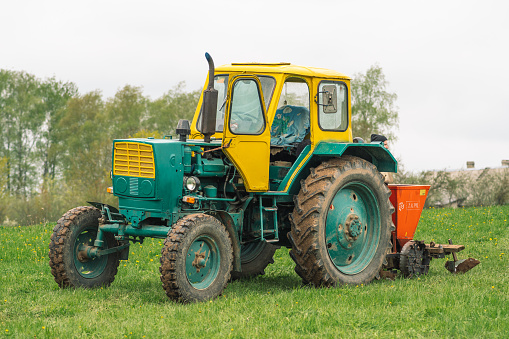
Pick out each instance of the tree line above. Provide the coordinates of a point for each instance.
(55, 142)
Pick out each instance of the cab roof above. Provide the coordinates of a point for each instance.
(282, 68)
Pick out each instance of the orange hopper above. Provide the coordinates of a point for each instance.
(408, 201)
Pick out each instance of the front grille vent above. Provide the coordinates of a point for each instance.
(134, 160)
(133, 186)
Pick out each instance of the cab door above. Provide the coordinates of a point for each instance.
(246, 136)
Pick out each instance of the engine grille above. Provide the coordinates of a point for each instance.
(134, 160)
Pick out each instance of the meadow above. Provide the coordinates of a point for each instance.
(440, 304)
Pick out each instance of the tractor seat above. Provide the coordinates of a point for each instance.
(290, 125)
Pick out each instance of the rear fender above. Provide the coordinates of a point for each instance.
(374, 153)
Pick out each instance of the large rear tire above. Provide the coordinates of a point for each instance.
(75, 229)
(341, 223)
(196, 259)
(254, 258)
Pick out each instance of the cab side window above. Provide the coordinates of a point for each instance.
(291, 122)
(246, 115)
(333, 111)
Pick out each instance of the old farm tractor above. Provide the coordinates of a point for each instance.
(268, 161)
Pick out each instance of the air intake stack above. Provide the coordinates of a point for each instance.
(209, 104)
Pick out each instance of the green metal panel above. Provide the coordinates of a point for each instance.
(164, 200)
(300, 159)
(374, 152)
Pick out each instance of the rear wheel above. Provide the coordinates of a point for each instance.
(76, 230)
(255, 257)
(196, 259)
(341, 224)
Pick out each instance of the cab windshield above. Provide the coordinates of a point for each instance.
(221, 85)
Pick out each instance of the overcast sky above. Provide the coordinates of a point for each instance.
(448, 61)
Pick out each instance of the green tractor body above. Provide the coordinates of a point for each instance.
(225, 199)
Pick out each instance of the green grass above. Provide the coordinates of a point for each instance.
(275, 305)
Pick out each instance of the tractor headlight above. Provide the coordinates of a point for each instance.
(191, 183)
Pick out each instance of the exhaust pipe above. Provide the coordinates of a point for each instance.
(208, 122)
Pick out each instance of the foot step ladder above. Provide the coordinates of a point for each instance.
(272, 230)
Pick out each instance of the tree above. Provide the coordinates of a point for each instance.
(21, 120)
(373, 108)
(165, 112)
(86, 155)
(126, 112)
(54, 95)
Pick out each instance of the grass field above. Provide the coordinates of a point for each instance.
(440, 304)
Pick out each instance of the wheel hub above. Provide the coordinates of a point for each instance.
(199, 261)
(353, 227)
(349, 230)
(86, 262)
(202, 262)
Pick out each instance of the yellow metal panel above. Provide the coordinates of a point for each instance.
(282, 68)
(249, 153)
(133, 159)
(251, 158)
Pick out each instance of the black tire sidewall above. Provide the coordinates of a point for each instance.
(371, 178)
(256, 265)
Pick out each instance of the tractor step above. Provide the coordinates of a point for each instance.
(271, 213)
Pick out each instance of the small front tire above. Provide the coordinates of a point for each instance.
(196, 259)
(76, 228)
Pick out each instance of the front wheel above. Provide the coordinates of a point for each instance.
(341, 223)
(75, 230)
(196, 259)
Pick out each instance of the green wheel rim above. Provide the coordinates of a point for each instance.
(352, 228)
(202, 262)
(88, 268)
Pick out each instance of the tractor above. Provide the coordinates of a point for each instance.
(268, 161)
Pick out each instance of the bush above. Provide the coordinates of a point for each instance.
(461, 188)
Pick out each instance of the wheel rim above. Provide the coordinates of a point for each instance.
(202, 262)
(88, 267)
(250, 251)
(352, 228)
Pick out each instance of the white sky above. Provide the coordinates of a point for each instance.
(448, 61)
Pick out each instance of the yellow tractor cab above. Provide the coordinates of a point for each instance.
(275, 118)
